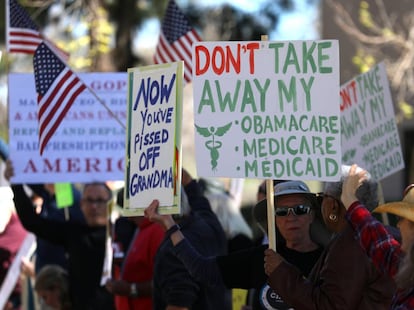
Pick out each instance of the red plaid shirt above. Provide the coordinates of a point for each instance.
(382, 248)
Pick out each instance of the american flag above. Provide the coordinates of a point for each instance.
(176, 38)
(57, 87)
(22, 35)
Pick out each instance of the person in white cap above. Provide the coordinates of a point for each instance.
(294, 211)
(344, 277)
(391, 257)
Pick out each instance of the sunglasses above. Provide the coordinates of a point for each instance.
(296, 210)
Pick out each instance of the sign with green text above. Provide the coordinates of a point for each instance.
(369, 131)
(153, 138)
(265, 109)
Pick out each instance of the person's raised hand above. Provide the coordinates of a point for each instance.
(351, 183)
(185, 177)
(151, 212)
(271, 261)
(118, 287)
(9, 171)
(27, 267)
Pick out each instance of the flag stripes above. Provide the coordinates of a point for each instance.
(176, 40)
(22, 35)
(57, 87)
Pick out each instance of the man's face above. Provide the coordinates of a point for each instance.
(94, 204)
(294, 228)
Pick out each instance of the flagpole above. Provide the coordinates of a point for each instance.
(59, 55)
(105, 106)
(271, 226)
(7, 67)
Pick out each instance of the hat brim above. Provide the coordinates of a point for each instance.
(260, 211)
(400, 208)
(291, 192)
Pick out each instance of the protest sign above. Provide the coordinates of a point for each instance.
(267, 109)
(369, 132)
(14, 272)
(153, 138)
(89, 144)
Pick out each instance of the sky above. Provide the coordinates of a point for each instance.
(247, 5)
(299, 24)
(295, 25)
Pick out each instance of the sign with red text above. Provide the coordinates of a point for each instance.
(89, 144)
(267, 109)
(369, 132)
(153, 138)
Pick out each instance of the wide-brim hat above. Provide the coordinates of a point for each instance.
(404, 208)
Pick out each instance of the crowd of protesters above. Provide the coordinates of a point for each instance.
(331, 253)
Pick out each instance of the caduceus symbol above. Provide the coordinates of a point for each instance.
(213, 145)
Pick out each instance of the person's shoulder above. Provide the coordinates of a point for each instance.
(347, 242)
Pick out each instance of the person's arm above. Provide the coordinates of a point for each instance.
(379, 244)
(46, 229)
(49, 230)
(203, 269)
(197, 201)
(214, 269)
(384, 251)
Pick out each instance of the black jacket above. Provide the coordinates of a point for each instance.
(173, 285)
(85, 247)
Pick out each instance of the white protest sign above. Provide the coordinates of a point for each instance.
(267, 109)
(153, 138)
(369, 132)
(26, 249)
(89, 144)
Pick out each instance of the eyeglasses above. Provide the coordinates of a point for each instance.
(296, 210)
(98, 202)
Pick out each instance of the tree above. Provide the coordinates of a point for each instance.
(381, 31)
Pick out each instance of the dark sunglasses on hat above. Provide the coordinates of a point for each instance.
(296, 210)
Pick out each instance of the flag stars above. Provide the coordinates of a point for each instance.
(175, 23)
(19, 17)
(48, 66)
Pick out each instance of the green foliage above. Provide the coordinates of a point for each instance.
(363, 61)
(406, 109)
(365, 15)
